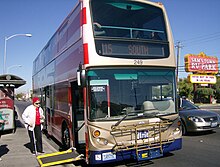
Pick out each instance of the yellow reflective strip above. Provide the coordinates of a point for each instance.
(57, 162)
(52, 154)
(39, 160)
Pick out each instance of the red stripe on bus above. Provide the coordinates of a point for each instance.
(86, 130)
(86, 55)
(108, 96)
(69, 95)
(83, 16)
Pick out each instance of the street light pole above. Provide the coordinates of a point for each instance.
(13, 67)
(178, 46)
(5, 50)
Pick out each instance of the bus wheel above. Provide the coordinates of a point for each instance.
(65, 137)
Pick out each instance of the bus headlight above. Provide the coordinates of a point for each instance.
(102, 141)
(176, 131)
(96, 134)
(105, 142)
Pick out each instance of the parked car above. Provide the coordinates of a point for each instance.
(195, 119)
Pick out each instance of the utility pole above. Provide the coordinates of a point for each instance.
(178, 46)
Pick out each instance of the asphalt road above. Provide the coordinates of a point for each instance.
(201, 149)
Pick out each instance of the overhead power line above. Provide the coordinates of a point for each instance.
(202, 37)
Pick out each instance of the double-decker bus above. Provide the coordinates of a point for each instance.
(107, 81)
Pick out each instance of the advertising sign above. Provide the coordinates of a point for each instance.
(7, 85)
(202, 79)
(201, 63)
(7, 107)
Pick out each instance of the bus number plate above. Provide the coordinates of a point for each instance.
(108, 156)
(142, 134)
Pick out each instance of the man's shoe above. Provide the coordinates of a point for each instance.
(33, 152)
(41, 152)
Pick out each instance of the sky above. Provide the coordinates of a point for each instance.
(195, 24)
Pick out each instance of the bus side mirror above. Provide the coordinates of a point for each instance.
(179, 103)
(81, 77)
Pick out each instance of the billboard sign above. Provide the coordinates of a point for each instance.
(202, 79)
(7, 107)
(201, 63)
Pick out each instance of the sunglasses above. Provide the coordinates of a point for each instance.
(37, 103)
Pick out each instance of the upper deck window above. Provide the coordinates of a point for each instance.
(128, 19)
(129, 29)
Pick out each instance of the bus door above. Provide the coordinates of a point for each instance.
(49, 107)
(78, 116)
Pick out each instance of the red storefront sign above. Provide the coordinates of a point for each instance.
(201, 63)
(7, 103)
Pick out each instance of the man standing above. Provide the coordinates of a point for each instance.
(33, 117)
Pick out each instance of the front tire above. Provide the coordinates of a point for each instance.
(65, 137)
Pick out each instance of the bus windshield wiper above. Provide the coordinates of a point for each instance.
(123, 118)
(119, 121)
(156, 115)
(142, 113)
(130, 113)
(162, 118)
(138, 113)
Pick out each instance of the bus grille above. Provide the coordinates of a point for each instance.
(140, 137)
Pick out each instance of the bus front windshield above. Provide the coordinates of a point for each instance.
(134, 93)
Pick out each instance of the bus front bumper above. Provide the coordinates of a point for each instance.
(108, 156)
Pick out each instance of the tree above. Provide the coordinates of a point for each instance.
(203, 94)
(216, 88)
(20, 96)
(185, 88)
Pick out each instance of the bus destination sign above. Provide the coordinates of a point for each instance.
(130, 49)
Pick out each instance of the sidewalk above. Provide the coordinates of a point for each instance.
(15, 152)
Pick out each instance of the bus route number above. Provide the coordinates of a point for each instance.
(138, 62)
(107, 49)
